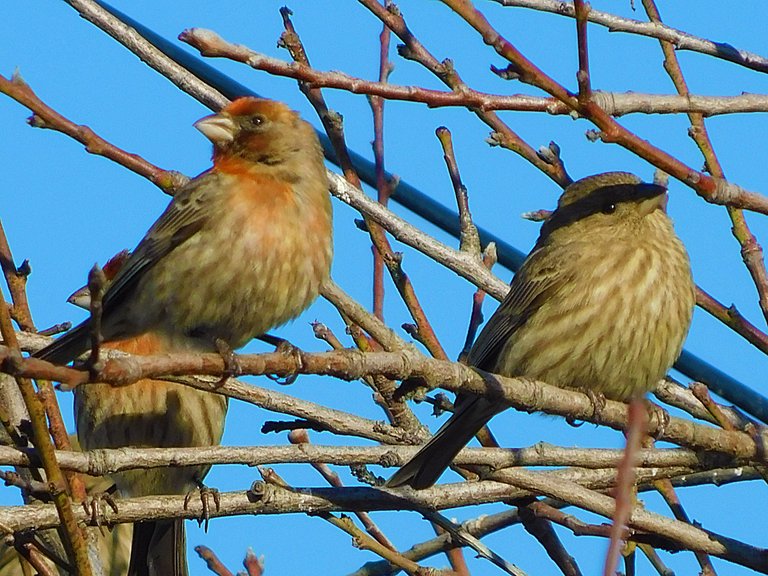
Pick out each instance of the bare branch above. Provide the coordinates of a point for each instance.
(680, 39)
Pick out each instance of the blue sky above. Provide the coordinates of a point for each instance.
(64, 209)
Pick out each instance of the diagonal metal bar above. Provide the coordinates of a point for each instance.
(442, 217)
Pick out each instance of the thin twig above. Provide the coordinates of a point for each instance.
(212, 561)
(476, 315)
(414, 50)
(360, 539)
(679, 39)
(714, 190)
(731, 317)
(582, 76)
(624, 493)
(469, 239)
(72, 536)
(461, 536)
(541, 529)
(46, 117)
(751, 251)
(617, 104)
(300, 437)
(383, 187)
(332, 123)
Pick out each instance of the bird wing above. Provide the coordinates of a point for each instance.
(184, 216)
(538, 277)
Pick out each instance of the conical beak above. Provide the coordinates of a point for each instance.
(651, 197)
(218, 128)
(81, 298)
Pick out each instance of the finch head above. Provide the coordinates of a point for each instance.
(603, 201)
(261, 131)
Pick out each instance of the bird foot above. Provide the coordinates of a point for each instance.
(658, 416)
(232, 367)
(93, 506)
(598, 403)
(597, 400)
(288, 350)
(206, 494)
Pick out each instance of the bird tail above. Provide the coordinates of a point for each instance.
(423, 470)
(158, 549)
(67, 347)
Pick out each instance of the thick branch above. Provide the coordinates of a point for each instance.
(265, 498)
(520, 393)
(109, 461)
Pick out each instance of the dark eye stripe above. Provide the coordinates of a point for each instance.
(599, 201)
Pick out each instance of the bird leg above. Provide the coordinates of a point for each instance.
(232, 367)
(206, 494)
(628, 553)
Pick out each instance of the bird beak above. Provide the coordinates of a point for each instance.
(651, 197)
(81, 298)
(218, 128)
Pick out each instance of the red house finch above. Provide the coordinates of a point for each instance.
(602, 303)
(242, 248)
(148, 413)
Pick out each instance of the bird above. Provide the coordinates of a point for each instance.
(601, 304)
(148, 414)
(242, 248)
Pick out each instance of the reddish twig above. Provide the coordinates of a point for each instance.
(469, 239)
(212, 561)
(332, 123)
(254, 565)
(46, 117)
(732, 318)
(383, 187)
(476, 316)
(301, 437)
(751, 251)
(17, 288)
(35, 557)
(582, 76)
(16, 279)
(625, 493)
(714, 190)
(667, 491)
(502, 134)
(212, 45)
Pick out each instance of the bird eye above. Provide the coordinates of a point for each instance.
(256, 121)
(609, 208)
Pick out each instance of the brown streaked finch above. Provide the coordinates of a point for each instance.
(602, 304)
(242, 248)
